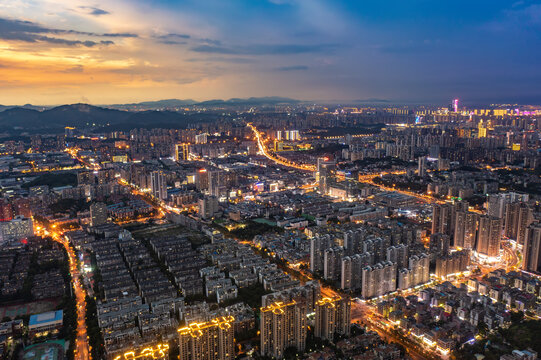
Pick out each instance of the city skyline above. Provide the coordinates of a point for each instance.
(56, 52)
(257, 179)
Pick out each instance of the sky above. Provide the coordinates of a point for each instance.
(414, 51)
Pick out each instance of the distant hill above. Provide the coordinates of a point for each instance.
(84, 115)
(171, 104)
(252, 101)
(27, 106)
(154, 105)
(35, 119)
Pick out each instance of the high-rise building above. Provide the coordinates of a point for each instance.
(182, 151)
(441, 218)
(201, 138)
(333, 315)
(158, 185)
(308, 293)
(318, 245)
(378, 279)
(283, 325)
(421, 169)
(489, 236)
(215, 181)
(332, 263)
(444, 215)
(420, 267)
(351, 272)
(465, 230)
(532, 248)
(86, 178)
(211, 340)
(208, 207)
(434, 151)
(518, 216)
(453, 263)
(398, 254)
(98, 214)
(496, 203)
(325, 172)
(481, 130)
(202, 179)
(439, 244)
(353, 241)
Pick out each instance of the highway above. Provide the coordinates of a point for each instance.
(366, 178)
(277, 159)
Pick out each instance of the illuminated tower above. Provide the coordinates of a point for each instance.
(283, 325)
(181, 151)
(482, 130)
(333, 315)
(455, 105)
(212, 340)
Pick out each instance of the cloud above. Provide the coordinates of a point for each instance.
(292, 68)
(262, 49)
(27, 31)
(181, 36)
(173, 39)
(59, 41)
(91, 10)
(74, 69)
(224, 59)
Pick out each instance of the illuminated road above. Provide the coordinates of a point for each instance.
(510, 257)
(365, 314)
(82, 348)
(277, 159)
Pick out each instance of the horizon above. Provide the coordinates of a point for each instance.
(360, 102)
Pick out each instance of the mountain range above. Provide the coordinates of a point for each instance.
(177, 103)
(16, 120)
(35, 119)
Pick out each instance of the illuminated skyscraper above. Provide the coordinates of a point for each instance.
(158, 185)
(333, 315)
(212, 340)
(181, 151)
(283, 325)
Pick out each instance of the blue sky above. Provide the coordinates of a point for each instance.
(57, 51)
